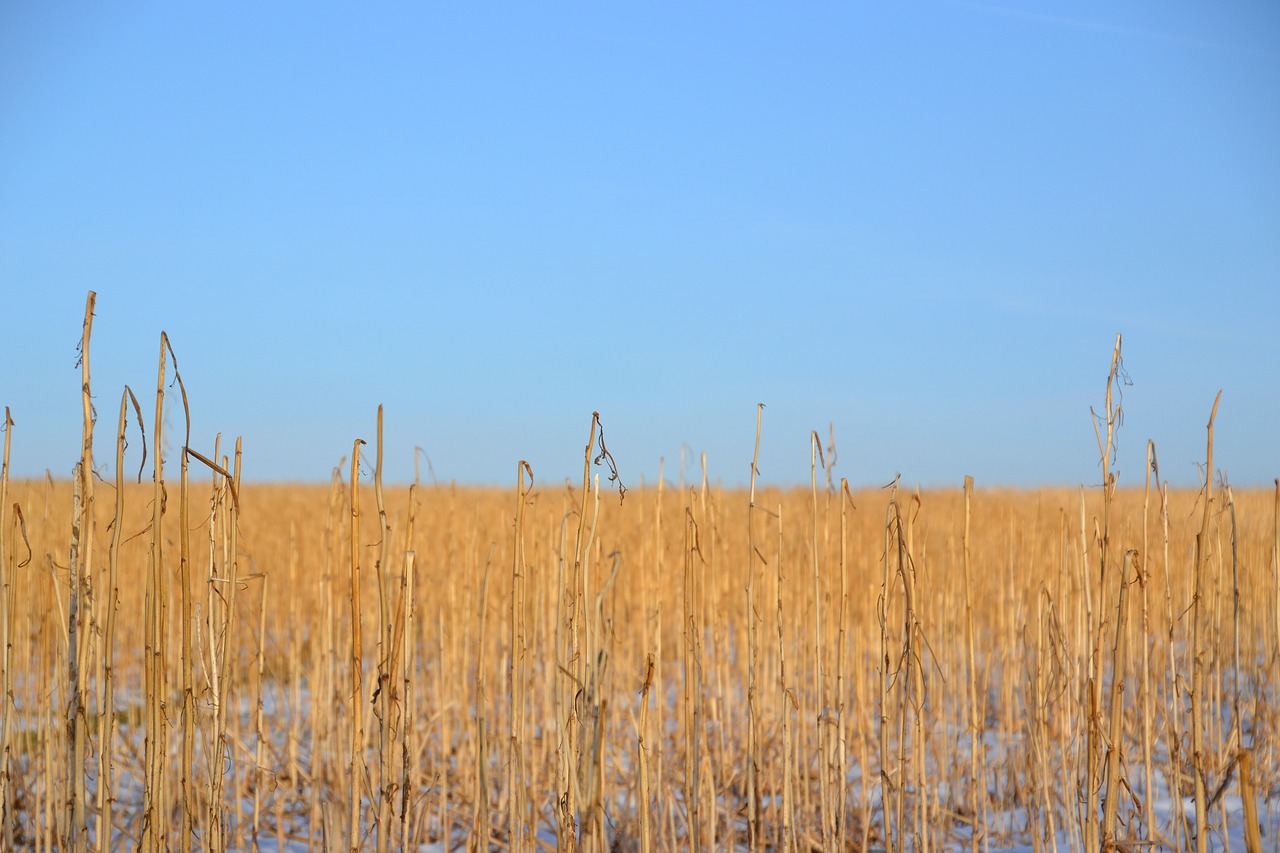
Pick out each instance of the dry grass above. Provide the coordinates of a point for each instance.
(682, 669)
(1032, 643)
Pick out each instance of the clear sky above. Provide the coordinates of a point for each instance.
(923, 222)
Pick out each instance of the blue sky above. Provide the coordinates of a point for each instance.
(923, 222)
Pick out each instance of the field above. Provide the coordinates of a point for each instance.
(197, 662)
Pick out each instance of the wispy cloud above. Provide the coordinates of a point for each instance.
(1105, 28)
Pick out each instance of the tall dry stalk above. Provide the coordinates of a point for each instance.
(1094, 738)
(356, 753)
(976, 723)
(480, 828)
(753, 757)
(829, 776)
(899, 568)
(409, 638)
(692, 684)
(1175, 749)
(1237, 725)
(1148, 713)
(409, 746)
(519, 820)
(155, 809)
(80, 603)
(786, 701)
(654, 600)
(1196, 693)
(185, 650)
(913, 652)
(569, 651)
(106, 671)
(324, 735)
(384, 703)
(846, 500)
(220, 617)
(7, 816)
(890, 802)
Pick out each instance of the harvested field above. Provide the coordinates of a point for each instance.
(203, 663)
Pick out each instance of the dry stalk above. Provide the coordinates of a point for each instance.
(753, 757)
(569, 652)
(7, 816)
(260, 769)
(1039, 722)
(480, 794)
(1249, 798)
(155, 809)
(106, 671)
(1148, 766)
(913, 655)
(79, 603)
(385, 709)
(642, 761)
(692, 685)
(1275, 572)
(1119, 654)
(595, 704)
(221, 633)
(846, 498)
(1198, 758)
(519, 820)
(1174, 773)
(356, 760)
(829, 776)
(1237, 731)
(890, 804)
(185, 651)
(293, 646)
(323, 734)
(977, 774)
(787, 842)
(1113, 417)
(409, 745)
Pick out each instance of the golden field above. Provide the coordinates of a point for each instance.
(644, 703)
(194, 662)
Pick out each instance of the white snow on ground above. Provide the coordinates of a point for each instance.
(1011, 831)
